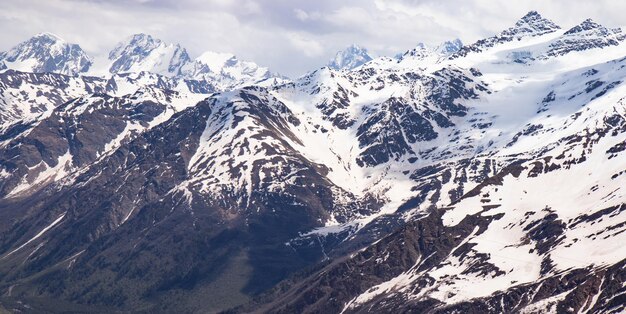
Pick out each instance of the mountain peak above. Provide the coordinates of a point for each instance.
(425, 52)
(47, 52)
(216, 60)
(226, 71)
(590, 26)
(350, 58)
(142, 52)
(584, 36)
(140, 36)
(450, 47)
(532, 24)
(144, 39)
(531, 16)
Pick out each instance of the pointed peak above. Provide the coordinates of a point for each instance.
(355, 47)
(350, 58)
(449, 47)
(143, 52)
(531, 15)
(535, 21)
(140, 35)
(48, 35)
(142, 38)
(586, 25)
(47, 52)
(531, 24)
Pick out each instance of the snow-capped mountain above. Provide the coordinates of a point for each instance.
(223, 71)
(586, 35)
(530, 25)
(450, 47)
(46, 52)
(485, 178)
(495, 224)
(350, 58)
(428, 55)
(226, 71)
(142, 52)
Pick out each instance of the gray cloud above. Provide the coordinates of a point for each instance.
(290, 36)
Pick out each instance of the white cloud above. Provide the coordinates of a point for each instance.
(307, 46)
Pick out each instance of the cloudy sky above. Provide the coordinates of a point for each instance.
(289, 36)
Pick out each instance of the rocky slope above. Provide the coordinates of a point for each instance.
(492, 219)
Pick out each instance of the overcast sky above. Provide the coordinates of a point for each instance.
(289, 36)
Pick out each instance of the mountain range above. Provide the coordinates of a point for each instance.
(478, 178)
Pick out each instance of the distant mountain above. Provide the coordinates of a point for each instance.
(424, 54)
(450, 47)
(350, 58)
(142, 52)
(530, 25)
(226, 71)
(584, 36)
(46, 52)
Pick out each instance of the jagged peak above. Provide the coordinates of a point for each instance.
(356, 48)
(350, 58)
(140, 36)
(450, 46)
(422, 50)
(144, 41)
(46, 52)
(589, 25)
(530, 16)
(533, 23)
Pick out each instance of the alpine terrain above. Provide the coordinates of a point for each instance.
(460, 178)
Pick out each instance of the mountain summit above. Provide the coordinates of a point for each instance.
(46, 52)
(142, 52)
(350, 58)
(530, 25)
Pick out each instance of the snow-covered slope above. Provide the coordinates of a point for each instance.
(507, 196)
(46, 52)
